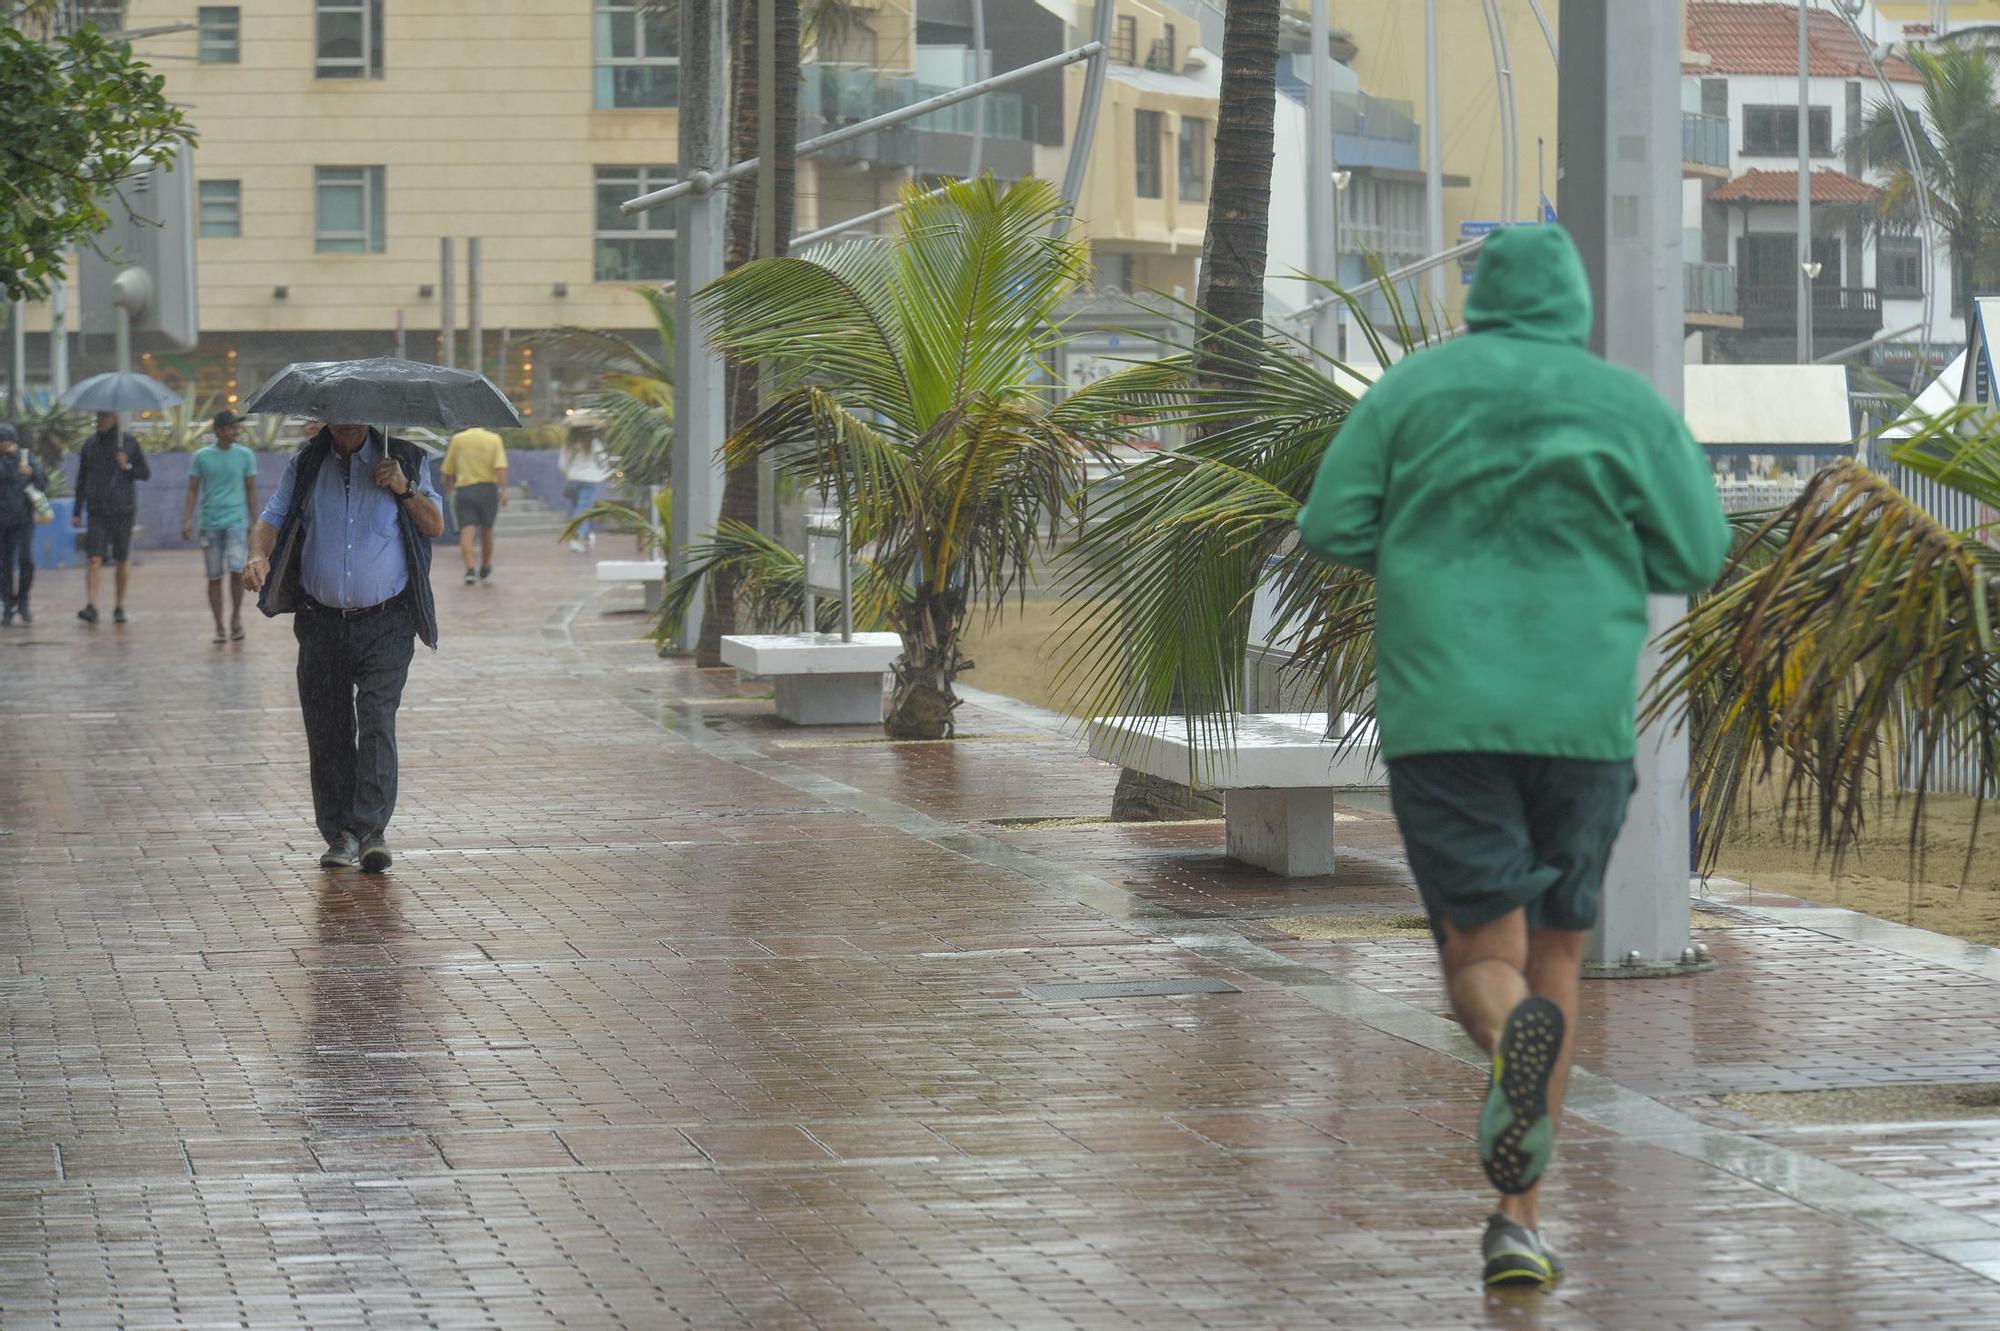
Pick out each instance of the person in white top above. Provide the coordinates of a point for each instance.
(585, 468)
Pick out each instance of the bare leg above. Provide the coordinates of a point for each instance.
(215, 600)
(465, 535)
(121, 579)
(486, 547)
(91, 573)
(235, 601)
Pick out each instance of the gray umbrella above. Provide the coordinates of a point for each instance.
(384, 390)
(120, 392)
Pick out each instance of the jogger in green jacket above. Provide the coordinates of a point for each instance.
(1516, 498)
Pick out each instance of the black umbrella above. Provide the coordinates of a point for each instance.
(384, 390)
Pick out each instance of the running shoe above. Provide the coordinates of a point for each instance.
(341, 854)
(1515, 1256)
(1516, 1135)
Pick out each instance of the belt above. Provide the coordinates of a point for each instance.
(359, 612)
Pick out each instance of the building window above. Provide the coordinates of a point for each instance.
(348, 209)
(638, 248)
(1899, 267)
(1124, 40)
(1194, 159)
(1163, 53)
(1773, 131)
(221, 207)
(638, 59)
(220, 28)
(349, 40)
(1147, 129)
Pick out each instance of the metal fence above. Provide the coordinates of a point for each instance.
(1709, 288)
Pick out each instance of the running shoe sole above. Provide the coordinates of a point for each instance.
(1516, 1137)
(1518, 1270)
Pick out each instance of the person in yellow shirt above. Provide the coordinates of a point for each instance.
(475, 473)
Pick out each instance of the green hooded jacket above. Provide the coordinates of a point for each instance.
(1516, 498)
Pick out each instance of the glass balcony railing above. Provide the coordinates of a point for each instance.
(1709, 288)
(844, 95)
(1704, 140)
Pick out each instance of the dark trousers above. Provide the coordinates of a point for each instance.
(17, 561)
(351, 675)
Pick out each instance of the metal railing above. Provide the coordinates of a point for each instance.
(1835, 309)
(1708, 288)
(1704, 139)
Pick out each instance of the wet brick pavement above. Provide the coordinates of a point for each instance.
(672, 1016)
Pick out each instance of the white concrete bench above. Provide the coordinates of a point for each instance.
(1277, 783)
(652, 573)
(821, 680)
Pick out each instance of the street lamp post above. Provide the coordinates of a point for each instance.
(1805, 278)
(1620, 196)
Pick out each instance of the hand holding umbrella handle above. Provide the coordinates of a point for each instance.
(389, 475)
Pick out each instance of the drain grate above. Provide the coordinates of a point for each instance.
(1191, 984)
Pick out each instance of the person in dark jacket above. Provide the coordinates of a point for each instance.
(18, 471)
(107, 499)
(344, 546)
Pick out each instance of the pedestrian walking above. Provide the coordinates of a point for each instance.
(585, 468)
(475, 479)
(222, 478)
(19, 473)
(1516, 499)
(107, 503)
(344, 546)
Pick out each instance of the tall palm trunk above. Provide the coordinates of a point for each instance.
(1231, 299)
(741, 489)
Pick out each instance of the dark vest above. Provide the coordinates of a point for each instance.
(284, 589)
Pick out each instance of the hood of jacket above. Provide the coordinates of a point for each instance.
(1530, 283)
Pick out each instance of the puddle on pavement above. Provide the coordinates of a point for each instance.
(1926, 1102)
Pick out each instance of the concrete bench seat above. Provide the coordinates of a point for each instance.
(822, 681)
(650, 573)
(1277, 783)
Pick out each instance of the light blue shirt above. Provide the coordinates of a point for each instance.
(353, 553)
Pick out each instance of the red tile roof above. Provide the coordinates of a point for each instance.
(1783, 187)
(1764, 39)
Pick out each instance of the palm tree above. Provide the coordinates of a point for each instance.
(1958, 143)
(909, 381)
(635, 389)
(1849, 645)
(1230, 300)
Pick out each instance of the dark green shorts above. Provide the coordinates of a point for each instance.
(1488, 833)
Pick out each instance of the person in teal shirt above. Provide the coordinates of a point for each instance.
(222, 478)
(1516, 499)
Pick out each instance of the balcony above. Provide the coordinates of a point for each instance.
(1841, 315)
(1704, 146)
(836, 95)
(1709, 296)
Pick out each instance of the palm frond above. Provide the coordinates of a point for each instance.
(1852, 631)
(594, 349)
(771, 585)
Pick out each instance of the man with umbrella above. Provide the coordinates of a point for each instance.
(344, 546)
(107, 496)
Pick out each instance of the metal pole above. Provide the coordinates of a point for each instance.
(1393, 276)
(1803, 276)
(982, 68)
(846, 580)
(1433, 150)
(17, 366)
(1621, 198)
(122, 340)
(1321, 201)
(1087, 110)
(59, 337)
(699, 182)
(699, 395)
(475, 320)
(447, 306)
(1548, 33)
(767, 216)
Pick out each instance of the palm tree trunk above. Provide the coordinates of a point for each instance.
(741, 484)
(1231, 299)
(922, 703)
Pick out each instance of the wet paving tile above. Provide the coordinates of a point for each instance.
(670, 1015)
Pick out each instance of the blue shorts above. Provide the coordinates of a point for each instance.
(225, 549)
